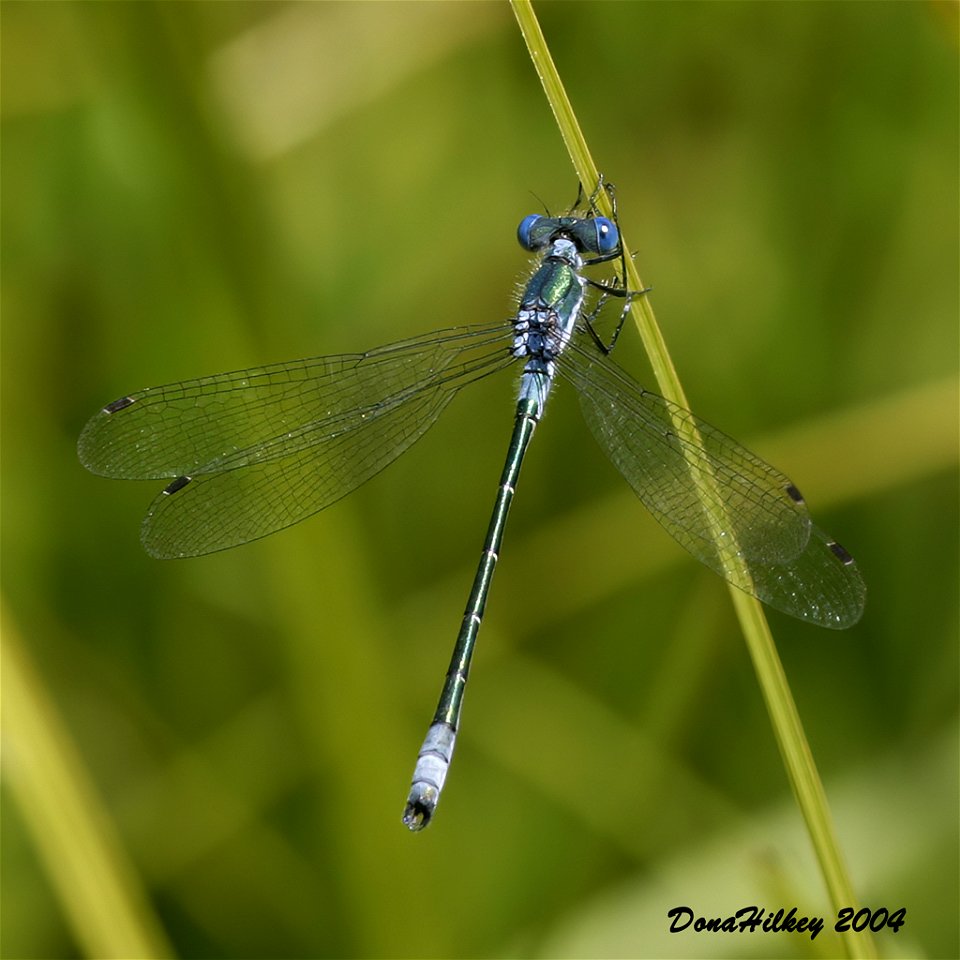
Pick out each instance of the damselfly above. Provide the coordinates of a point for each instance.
(251, 452)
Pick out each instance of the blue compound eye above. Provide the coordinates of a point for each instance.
(608, 237)
(525, 231)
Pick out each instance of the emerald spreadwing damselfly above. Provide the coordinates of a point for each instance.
(251, 452)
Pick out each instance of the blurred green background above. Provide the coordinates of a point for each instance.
(190, 188)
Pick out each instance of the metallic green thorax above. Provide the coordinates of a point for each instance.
(556, 286)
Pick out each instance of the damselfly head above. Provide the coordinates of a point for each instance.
(590, 234)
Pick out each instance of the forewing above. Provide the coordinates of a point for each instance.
(194, 426)
(258, 450)
(700, 491)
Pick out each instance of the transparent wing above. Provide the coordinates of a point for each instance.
(782, 558)
(257, 450)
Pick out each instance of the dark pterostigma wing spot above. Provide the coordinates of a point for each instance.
(176, 485)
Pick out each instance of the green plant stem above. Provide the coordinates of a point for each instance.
(83, 856)
(788, 730)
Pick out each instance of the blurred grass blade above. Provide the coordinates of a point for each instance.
(788, 730)
(74, 837)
